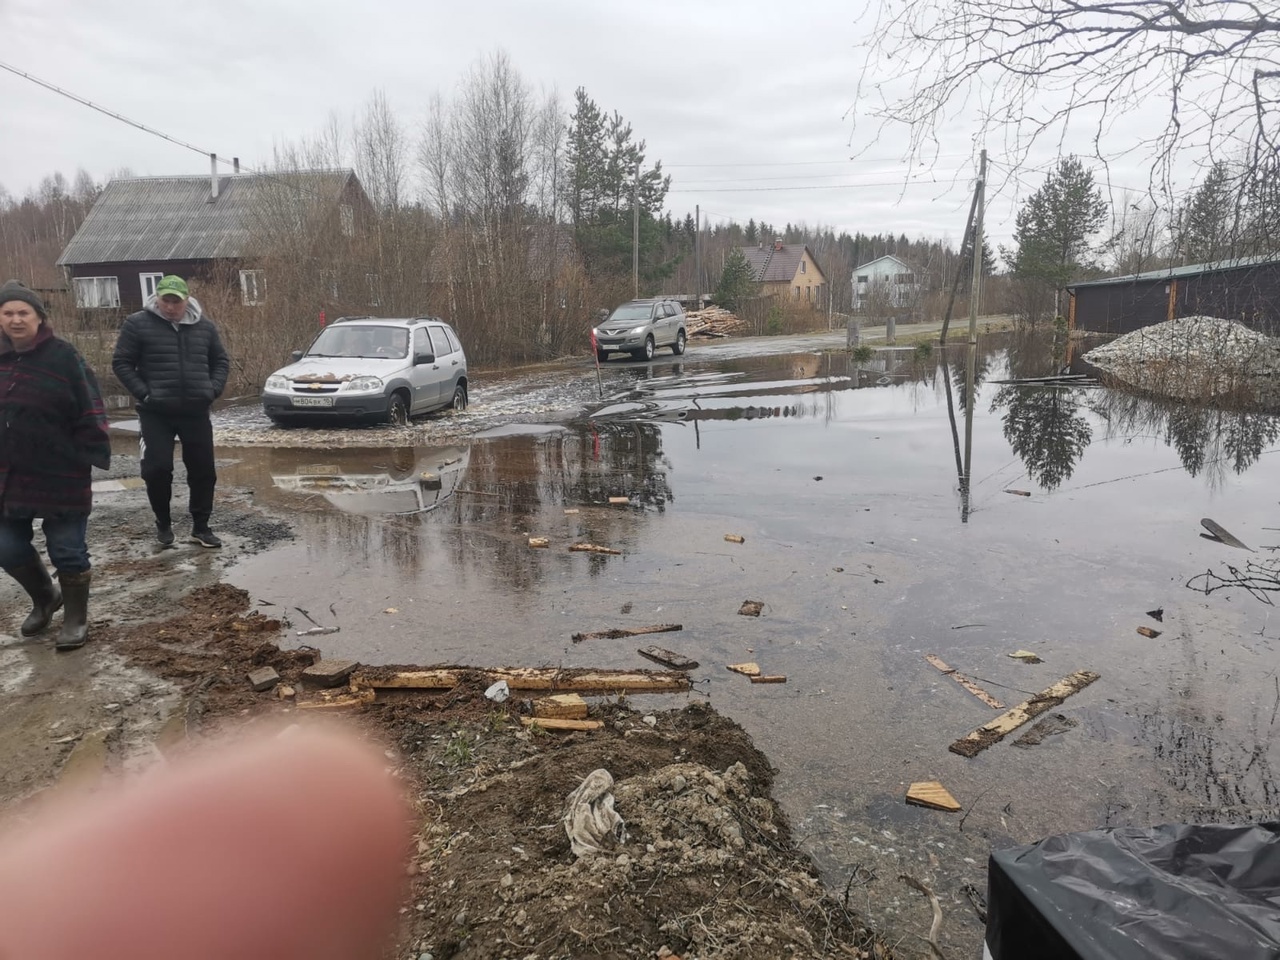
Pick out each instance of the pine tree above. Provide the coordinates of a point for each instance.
(753, 235)
(737, 281)
(1209, 218)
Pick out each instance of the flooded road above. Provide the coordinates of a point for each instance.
(843, 481)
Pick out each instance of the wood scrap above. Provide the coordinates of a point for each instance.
(965, 682)
(932, 794)
(996, 730)
(751, 608)
(668, 658)
(571, 511)
(538, 542)
(746, 669)
(560, 706)
(619, 632)
(712, 322)
(937, 913)
(349, 701)
(531, 678)
(551, 723)
(735, 538)
(1222, 535)
(409, 680)
(1157, 614)
(619, 500)
(593, 548)
(1148, 632)
(1026, 656)
(769, 678)
(1019, 493)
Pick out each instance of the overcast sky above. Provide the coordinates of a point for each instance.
(748, 104)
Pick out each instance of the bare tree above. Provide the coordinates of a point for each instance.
(1033, 69)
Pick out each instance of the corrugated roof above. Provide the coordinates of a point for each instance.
(1176, 273)
(172, 218)
(776, 265)
(888, 256)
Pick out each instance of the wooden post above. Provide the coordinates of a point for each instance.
(635, 233)
(974, 291)
(697, 256)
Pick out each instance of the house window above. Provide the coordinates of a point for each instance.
(797, 293)
(808, 294)
(904, 278)
(149, 281)
(347, 219)
(802, 266)
(863, 278)
(253, 287)
(96, 292)
(375, 284)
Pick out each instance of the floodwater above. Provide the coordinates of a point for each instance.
(843, 481)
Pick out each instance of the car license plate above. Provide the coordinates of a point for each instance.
(313, 401)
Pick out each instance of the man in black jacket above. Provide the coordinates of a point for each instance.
(170, 357)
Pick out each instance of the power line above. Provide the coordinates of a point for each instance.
(110, 113)
(832, 186)
(814, 176)
(809, 163)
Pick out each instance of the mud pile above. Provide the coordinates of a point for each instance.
(1195, 358)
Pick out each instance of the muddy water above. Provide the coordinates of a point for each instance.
(842, 479)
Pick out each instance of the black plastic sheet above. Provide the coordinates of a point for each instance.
(1127, 893)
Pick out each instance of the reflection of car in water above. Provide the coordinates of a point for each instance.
(374, 482)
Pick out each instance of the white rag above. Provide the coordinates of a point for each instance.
(590, 821)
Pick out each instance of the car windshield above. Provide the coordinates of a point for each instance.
(633, 311)
(367, 340)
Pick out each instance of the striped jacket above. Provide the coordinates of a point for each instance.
(53, 429)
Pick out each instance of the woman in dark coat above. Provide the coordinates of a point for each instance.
(52, 431)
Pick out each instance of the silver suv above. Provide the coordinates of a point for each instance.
(370, 369)
(639, 327)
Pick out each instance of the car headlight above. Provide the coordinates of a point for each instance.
(595, 331)
(637, 329)
(363, 385)
(277, 383)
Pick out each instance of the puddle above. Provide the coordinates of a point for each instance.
(842, 480)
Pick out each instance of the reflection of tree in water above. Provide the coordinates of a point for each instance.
(1033, 354)
(1045, 428)
(1207, 440)
(981, 369)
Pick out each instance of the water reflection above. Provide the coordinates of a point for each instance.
(1046, 428)
(401, 480)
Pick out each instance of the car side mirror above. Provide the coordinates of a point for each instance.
(295, 356)
(422, 358)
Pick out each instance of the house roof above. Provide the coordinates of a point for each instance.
(777, 265)
(1176, 273)
(898, 260)
(173, 218)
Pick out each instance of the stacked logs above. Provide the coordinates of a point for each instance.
(713, 322)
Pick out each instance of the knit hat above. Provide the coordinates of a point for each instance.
(17, 290)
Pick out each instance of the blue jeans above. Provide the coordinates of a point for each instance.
(64, 536)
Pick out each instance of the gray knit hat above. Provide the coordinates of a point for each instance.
(17, 290)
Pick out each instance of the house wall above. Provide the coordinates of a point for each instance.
(807, 286)
(884, 273)
(1250, 295)
(129, 277)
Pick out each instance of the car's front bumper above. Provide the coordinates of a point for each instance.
(354, 407)
(631, 341)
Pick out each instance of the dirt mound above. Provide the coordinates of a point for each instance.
(1194, 358)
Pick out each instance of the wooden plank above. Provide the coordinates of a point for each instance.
(1019, 493)
(932, 794)
(595, 681)
(668, 658)
(594, 548)
(343, 702)
(1149, 633)
(619, 632)
(995, 731)
(965, 682)
(1222, 534)
(410, 680)
(734, 538)
(550, 723)
(562, 706)
(539, 542)
(749, 669)
(769, 678)
(618, 500)
(330, 673)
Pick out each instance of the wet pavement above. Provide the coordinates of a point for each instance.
(842, 479)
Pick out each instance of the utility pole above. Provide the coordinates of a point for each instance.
(635, 233)
(697, 256)
(975, 289)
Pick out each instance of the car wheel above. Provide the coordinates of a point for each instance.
(398, 410)
(647, 352)
(459, 398)
(677, 348)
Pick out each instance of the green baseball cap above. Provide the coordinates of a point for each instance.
(173, 285)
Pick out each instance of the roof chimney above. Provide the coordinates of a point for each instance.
(777, 243)
(213, 178)
(235, 164)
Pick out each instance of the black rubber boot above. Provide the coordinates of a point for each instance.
(45, 596)
(75, 615)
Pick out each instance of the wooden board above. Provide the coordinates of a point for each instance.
(596, 681)
(769, 678)
(539, 541)
(668, 658)
(995, 731)
(965, 682)
(734, 538)
(344, 702)
(1222, 534)
(932, 794)
(410, 680)
(619, 632)
(619, 499)
(594, 548)
(746, 669)
(1149, 633)
(549, 723)
(562, 706)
